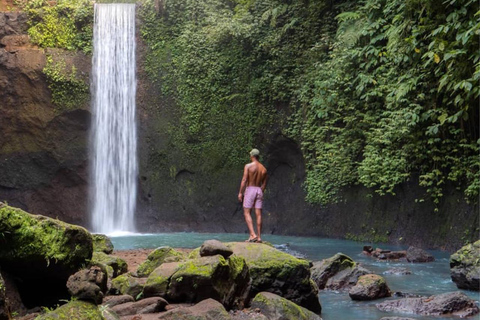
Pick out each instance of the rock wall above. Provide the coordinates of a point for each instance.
(44, 168)
(43, 148)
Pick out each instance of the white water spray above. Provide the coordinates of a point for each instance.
(114, 133)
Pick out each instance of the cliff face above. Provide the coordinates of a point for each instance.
(43, 149)
(44, 167)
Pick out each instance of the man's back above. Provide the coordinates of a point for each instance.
(257, 174)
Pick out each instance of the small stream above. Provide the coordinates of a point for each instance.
(426, 279)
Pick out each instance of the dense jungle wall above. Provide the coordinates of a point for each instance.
(192, 147)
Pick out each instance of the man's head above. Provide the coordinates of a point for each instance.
(255, 153)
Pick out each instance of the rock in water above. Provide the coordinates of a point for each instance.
(453, 303)
(369, 287)
(339, 272)
(102, 243)
(74, 310)
(417, 255)
(465, 267)
(278, 308)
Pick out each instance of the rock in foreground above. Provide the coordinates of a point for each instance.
(208, 309)
(34, 246)
(275, 271)
(74, 310)
(275, 307)
(453, 303)
(465, 267)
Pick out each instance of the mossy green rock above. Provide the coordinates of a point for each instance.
(74, 310)
(465, 267)
(34, 245)
(278, 308)
(128, 284)
(369, 287)
(281, 273)
(158, 280)
(224, 280)
(102, 243)
(115, 266)
(157, 257)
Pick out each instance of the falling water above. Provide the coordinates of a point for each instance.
(114, 133)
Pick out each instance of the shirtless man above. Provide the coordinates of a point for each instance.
(253, 185)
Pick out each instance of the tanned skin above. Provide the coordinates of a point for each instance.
(254, 175)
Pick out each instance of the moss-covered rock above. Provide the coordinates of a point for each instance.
(128, 284)
(115, 266)
(34, 245)
(102, 243)
(277, 308)
(370, 287)
(158, 280)
(225, 280)
(339, 272)
(157, 257)
(465, 267)
(278, 272)
(74, 310)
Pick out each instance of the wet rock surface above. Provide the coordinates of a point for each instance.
(370, 287)
(417, 255)
(465, 267)
(453, 303)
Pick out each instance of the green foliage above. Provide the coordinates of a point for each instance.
(68, 89)
(66, 24)
(396, 100)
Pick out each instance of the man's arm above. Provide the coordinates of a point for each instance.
(243, 183)
(264, 183)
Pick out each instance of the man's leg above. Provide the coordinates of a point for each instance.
(248, 220)
(258, 213)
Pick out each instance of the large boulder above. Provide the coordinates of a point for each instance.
(417, 255)
(74, 310)
(446, 304)
(88, 285)
(214, 247)
(208, 309)
(157, 257)
(370, 287)
(465, 267)
(102, 243)
(275, 307)
(225, 280)
(114, 265)
(35, 246)
(278, 272)
(339, 272)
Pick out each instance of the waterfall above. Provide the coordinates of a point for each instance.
(114, 135)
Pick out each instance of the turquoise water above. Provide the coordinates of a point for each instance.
(426, 279)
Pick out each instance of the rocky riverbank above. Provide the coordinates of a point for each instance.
(83, 277)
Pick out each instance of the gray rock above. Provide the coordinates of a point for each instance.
(275, 307)
(453, 303)
(88, 285)
(417, 255)
(398, 271)
(339, 272)
(214, 247)
(208, 309)
(369, 287)
(148, 305)
(465, 267)
(112, 301)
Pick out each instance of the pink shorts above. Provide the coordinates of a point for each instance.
(253, 197)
